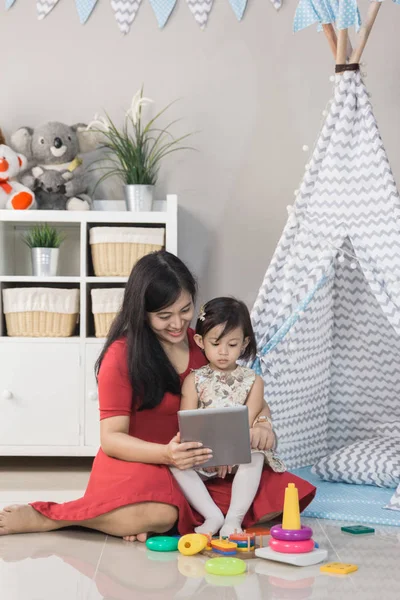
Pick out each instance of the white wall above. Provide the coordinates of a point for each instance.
(254, 91)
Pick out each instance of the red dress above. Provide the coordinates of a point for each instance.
(114, 483)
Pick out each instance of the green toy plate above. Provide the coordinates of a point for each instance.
(358, 529)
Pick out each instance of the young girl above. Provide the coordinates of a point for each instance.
(225, 334)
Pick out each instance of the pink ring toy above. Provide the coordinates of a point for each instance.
(291, 535)
(291, 547)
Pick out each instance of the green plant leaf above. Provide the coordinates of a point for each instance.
(43, 236)
(136, 149)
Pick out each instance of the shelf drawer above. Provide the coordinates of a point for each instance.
(39, 394)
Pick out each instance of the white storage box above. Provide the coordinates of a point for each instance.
(41, 312)
(115, 250)
(106, 304)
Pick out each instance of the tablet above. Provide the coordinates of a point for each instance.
(224, 430)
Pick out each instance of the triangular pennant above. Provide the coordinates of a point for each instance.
(162, 10)
(125, 13)
(239, 6)
(343, 13)
(85, 8)
(43, 7)
(9, 3)
(201, 10)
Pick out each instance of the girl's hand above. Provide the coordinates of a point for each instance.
(224, 471)
(262, 437)
(186, 455)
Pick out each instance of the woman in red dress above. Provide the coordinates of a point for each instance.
(148, 353)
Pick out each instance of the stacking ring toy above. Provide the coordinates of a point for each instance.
(291, 535)
(162, 543)
(300, 547)
(193, 543)
(225, 566)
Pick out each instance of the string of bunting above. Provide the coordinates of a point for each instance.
(125, 10)
(342, 13)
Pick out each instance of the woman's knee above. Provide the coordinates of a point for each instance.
(162, 516)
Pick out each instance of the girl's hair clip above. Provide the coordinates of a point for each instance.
(202, 314)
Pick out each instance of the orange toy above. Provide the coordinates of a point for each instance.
(224, 547)
(245, 541)
(13, 194)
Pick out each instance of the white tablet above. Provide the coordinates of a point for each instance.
(224, 430)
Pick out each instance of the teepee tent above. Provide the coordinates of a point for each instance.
(327, 316)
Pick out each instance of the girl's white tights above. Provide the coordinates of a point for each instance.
(244, 488)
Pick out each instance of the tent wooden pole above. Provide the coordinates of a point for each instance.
(349, 48)
(330, 35)
(341, 54)
(365, 31)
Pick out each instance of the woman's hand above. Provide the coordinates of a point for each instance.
(262, 436)
(186, 455)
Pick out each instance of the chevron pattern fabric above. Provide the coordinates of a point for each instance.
(375, 461)
(332, 377)
(394, 503)
(201, 10)
(125, 12)
(388, 428)
(43, 7)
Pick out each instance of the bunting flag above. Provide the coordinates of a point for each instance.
(43, 7)
(342, 13)
(125, 13)
(239, 6)
(200, 10)
(163, 10)
(85, 8)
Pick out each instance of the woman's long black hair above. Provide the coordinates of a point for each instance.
(155, 283)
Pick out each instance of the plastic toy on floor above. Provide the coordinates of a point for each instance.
(246, 542)
(357, 529)
(225, 566)
(193, 543)
(337, 568)
(162, 543)
(291, 542)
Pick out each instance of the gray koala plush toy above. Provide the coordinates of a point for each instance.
(50, 188)
(54, 170)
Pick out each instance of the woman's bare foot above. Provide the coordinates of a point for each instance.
(24, 519)
(140, 537)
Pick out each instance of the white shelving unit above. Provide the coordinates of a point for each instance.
(48, 399)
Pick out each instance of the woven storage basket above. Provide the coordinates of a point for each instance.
(115, 250)
(41, 312)
(106, 304)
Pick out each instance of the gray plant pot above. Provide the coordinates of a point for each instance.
(139, 198)
(45, 262)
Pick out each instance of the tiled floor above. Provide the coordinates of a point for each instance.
(80, 565)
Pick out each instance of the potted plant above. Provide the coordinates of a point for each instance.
(134, 152)
(44, 242)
